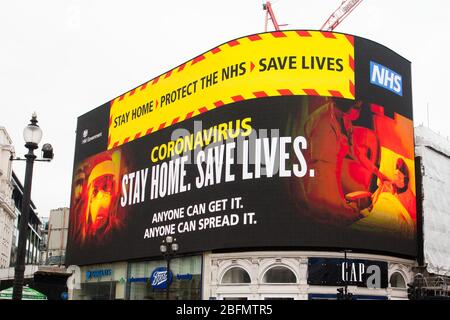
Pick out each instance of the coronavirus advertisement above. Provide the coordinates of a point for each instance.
(287, 139)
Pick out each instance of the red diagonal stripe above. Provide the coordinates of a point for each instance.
(197, 59)
(202, 109)
(351, 62)
(132, 92)
(260, 94)
(175, 120)
(352, 88)
(155, 81)
(109, 140)
(311, 92)
(121, 97)
(115, 144)
(168, 74)
(189, 115)
(137, 135)
(233, 43)
(162, 125)
(350, 39)
(285, 92)
(237, 98)
(110, 120)
(278, 34)
(149, 130)
(111, 103)
(144, 86)
(328, 35)
(254, 37)
(180, 68)
(218, 103)
(303, 33)
(216, 50)
(335, 93)
(126, 140)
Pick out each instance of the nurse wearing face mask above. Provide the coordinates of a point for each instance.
(102, 195)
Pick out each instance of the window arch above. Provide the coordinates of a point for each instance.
(279, 274)
(236, 275)
(397, 280)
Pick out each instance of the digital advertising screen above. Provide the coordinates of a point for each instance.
(287, 139)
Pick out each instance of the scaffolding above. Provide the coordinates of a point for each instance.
(432, 287)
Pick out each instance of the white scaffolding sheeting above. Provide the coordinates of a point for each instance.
(435, 152)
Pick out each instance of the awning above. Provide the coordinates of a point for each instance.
(27, 294)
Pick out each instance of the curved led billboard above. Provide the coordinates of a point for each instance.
(299, 139)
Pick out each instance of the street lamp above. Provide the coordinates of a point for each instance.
(32, 134)
(168, 249)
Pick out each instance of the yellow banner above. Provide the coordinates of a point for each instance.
(262, 65)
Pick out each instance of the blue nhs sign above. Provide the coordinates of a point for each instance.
(385, 78)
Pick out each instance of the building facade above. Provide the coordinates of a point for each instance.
(301, 275)
(7, 209)
(48, 280)
(281, 161)
(433, 161)
(56, 235)
(44, 240)
(247, 275)
(33, 246)
(138, 280)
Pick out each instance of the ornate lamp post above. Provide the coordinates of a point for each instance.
(32, 135)
(168, 249)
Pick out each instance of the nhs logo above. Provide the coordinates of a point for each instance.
(386, 78)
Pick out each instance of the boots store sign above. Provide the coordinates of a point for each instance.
(159, 279)
(338, 272)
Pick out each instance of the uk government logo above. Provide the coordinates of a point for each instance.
(386, 78)
(86, 137)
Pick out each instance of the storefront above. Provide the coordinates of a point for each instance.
(147, 280)
(297, 275)
(102, 282)
(142, 280)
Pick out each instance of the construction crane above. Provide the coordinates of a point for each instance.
(346, 7)
(270, 15)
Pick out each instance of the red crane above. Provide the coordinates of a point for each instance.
(346, 7)
(270, 15)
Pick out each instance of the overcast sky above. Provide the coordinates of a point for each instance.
(62, 58)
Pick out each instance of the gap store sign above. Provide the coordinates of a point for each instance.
(338, 272)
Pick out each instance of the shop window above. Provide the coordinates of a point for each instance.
(236, 275)
(397, 281)
(98, 291)
(279, 275)
(185, 285)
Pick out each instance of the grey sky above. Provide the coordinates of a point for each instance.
(64, 58)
